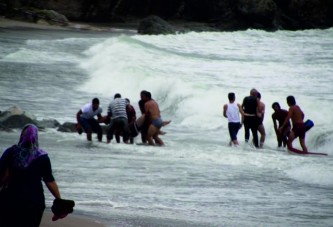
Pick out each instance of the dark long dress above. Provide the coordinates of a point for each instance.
(23, 202)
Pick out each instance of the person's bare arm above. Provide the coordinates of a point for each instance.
(290, 113)
(78, 114)
(274, 123)
(241, 112)
(53, 188)
(225, 107)
(78, 125)
(101, 119)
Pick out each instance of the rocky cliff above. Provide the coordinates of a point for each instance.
(219, 14)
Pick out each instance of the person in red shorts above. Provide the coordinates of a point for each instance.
(297, 116)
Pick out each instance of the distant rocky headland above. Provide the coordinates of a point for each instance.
(177, 15)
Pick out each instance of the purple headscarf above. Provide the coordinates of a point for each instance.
(27, 149)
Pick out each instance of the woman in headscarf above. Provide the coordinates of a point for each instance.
(23, 167)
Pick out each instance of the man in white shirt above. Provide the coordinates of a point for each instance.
(85, 119)
(233, 111)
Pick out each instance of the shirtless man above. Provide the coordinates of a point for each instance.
(153, 117)
(261, 114)
(280, 116)
(296, 115)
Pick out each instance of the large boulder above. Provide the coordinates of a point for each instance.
(258, 13)
(48, 123)
(311, 13)
(67, 127)
(15, 117)
(71, 127)
(52, 17)
(154, 25)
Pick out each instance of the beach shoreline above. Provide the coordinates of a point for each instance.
(6, 23)
(72, 220)
(132, 26)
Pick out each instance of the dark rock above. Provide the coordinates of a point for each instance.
(48, 123)
(258, 13)
(227, 15)
(67, 127)
(71, 127)
(311, 14)
(36, 16)
(4, 128)
(154, 25)
(18, 121)
(15, 117)
(53, 17)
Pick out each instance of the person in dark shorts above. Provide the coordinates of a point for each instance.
(297, 118)
(131, 118)
(119, 122)
(280, 116)
(85, 119)
(250, 105)
(232, 111)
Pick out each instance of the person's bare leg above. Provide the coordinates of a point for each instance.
(262, 132)
(235, 142)
(166, 123)
(152, 130)
(161, 132)
(284, 136)
(89, 136)
(302, 142)
(158, 140)
(290, 141)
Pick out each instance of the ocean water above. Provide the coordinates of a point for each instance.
(196, 179)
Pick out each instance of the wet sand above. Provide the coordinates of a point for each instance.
(8, 23)
(71, 220)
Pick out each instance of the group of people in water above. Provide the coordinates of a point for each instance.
(122, 121)
(251, 115)
(25, 165)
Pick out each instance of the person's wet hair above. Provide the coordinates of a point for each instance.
(253, 92)
(148, 94)
(95, 101)
(258, 95)
(291, 100)
(117, 95)
(276, 104)
(231, 96)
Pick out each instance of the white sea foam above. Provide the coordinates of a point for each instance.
(196, 177)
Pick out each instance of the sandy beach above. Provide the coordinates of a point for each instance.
(71, 220)
(8, 23)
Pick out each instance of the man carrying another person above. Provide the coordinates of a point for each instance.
(153, 118)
